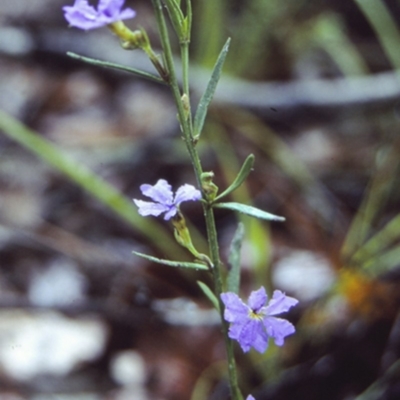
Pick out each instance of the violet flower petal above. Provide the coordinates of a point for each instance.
(235, 309)
(170, 213)
(235, 330)
(280, 303)
(82, 15)
(257, 299)
(161, 192)
(186, 193)
(254, 335)
(278, 328)
(111, 9)
(163, 197)
(146, 208)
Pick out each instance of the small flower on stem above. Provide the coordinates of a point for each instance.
(84, 16)
(253, 324)
(164, 200)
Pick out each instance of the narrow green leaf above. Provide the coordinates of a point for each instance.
(234, 260)
(381, 263)
(244, 172)
(383, 239)
(384, 24)
(209, 92)
(106, 64)
(178, 264)
(209, 293)
(249, 210)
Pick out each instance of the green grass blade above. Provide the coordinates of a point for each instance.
(90, 182)
(382, 263)
(374, 200)
(330, 33)
(213, 15)
(205, 100)
(381, 252)
(385, 27)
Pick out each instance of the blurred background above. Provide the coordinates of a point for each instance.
(312, 89)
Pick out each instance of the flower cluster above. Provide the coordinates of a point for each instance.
(164, 200)
(253, 324)
(82, 15)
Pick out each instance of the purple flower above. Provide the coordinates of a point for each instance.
(250, 397)
(164, 201)
(252, 324)
(84, 16)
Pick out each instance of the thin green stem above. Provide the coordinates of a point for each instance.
(218, 287)
(183, 117)
(185, 80)
(186, 126)
(185, 66)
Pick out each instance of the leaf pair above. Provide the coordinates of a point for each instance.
(247, 166)
(244, 172)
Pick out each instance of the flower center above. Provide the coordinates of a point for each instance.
(257, 316)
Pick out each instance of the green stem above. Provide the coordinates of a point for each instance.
(183, 116)
(186, 126)
(185, 80)
(218, 286)
(185, 66)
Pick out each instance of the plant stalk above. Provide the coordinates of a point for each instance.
(186, 127)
